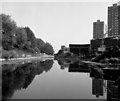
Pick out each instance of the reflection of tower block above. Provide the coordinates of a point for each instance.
(113, 91)
(97, 87)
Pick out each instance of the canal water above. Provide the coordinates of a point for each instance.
(63, 79)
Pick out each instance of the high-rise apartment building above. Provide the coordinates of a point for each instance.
(98, 29)
(114, 20)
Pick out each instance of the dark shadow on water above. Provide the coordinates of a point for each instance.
(22, 76)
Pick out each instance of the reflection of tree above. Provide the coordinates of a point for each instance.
(22, 76)
(64, 63)
(46, 65)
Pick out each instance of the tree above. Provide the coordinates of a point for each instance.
(30, 37)
(21, 38)
(8, 24)
(40, 44)
(8, 30)
(48, 49)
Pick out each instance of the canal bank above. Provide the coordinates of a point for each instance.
(35, 58)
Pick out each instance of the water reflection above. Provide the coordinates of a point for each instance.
(104, 80)
(97, 87)
(20, 75)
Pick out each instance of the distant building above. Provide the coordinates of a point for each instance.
(80, 49)
(96, 44)
(114, 20)
(98, 29)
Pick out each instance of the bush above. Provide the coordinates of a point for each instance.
(9, 54)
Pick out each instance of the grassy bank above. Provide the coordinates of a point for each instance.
(18, 54)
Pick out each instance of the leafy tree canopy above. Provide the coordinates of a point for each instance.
(21, 38)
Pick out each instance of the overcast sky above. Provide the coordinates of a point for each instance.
(60, 23)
